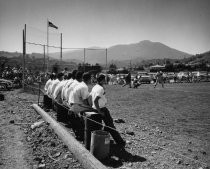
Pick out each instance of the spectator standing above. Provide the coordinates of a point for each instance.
(136, 82)
(159, 79)
(128, 80)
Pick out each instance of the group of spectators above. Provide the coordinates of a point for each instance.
(135, 82)
(15, 75)
(71, 90)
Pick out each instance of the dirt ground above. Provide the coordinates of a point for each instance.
(165, 128)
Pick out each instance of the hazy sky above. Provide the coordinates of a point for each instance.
(180, 24)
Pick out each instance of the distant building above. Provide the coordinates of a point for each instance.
(156, 68)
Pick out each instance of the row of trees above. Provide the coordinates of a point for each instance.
(38, 64)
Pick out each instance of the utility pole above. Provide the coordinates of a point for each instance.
(24, 55)
(44, 58)
(84, 59)
(23, 77)
(47, 45)
(61, 51)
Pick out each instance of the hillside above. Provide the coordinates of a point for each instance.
(144, 52)
(10, 54)
(198, 58)
(122, 54)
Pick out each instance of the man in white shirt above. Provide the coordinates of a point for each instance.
(69, 78)
(78, 97)
(51, 88)
(66, 87)
(47, 100)
(57, 92)
(49, 81)
(78, 101)
(99, 102)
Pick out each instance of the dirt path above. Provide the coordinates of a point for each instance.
(22, 147)
(13, 150)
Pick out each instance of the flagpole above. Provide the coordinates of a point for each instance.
(61, 50)
(47, 44)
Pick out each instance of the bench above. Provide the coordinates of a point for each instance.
(82, 126)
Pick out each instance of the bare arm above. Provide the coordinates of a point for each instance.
(97, 105)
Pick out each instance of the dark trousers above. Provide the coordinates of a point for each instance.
(109, 123)
(47, 102)
(62, 113)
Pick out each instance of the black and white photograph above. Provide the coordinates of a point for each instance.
(105, 84)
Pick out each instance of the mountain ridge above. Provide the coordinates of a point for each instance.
(142, 50)
(121, 53)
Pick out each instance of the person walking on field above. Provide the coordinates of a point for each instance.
(159, 79)
(128, 80)
(99, 102)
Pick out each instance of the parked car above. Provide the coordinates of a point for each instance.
(200, 76)
(170, 77)
(145, 79)
(6, 84)
(183, 76)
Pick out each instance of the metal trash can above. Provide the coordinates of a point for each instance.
(100, 144)
(90, 125)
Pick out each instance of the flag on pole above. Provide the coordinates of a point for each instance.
(50, 24)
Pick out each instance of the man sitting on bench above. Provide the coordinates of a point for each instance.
(99, 102)
(78, 102)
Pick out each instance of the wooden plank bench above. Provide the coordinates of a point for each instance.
(82, 126)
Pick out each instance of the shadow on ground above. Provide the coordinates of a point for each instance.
(118, 156)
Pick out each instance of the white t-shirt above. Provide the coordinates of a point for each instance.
(69, 90)
(51, 88)
(98, 90)
(65, 88)
(58, 88)
(79, 94)
(48, 83)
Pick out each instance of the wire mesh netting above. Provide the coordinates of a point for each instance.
(54, 54)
